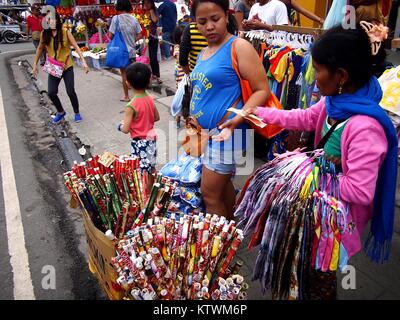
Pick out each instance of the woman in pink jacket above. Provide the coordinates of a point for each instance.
(363, 141)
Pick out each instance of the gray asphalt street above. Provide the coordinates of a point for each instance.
(53, 236)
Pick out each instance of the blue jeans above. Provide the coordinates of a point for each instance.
(166, 47)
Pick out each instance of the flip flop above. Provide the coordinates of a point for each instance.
(125, 100)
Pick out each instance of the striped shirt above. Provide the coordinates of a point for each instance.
(197, 43)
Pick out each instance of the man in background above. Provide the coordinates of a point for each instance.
(168, 18)
(34, 26)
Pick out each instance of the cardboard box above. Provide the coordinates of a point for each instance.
(100, 251)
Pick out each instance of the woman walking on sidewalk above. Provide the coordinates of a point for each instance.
(131, 32)
(57, 42)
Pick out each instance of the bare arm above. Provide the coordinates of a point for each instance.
(28, 29)
(130, 114)
(78, 50)
(156, 114)
(256, 25)
(250, 69)
(39, 51)
(306, 13)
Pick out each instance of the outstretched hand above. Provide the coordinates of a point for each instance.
(227, 128)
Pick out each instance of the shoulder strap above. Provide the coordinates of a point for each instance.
(244, 84)
(226, 116)
(326, 137)
(117, 24)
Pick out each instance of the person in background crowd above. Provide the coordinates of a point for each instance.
(292, 4)
(179, 73)
(140, 116)
(131, 32)
(216, 88)
(191, 45)
(58, 41)
(168, 18)
(185, 19)
(34, 25)
(150, 8)
(266, 13)
(242, 10)
(363, 145)
(372, 10)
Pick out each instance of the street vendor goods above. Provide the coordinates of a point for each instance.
(292, 207)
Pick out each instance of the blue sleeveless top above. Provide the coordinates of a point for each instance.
(216, 87)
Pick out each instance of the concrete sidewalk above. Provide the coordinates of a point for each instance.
(99, 93)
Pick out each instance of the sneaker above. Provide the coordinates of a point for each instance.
(59, 117)
(78, 117)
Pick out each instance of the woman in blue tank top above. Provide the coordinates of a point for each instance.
(216, 88)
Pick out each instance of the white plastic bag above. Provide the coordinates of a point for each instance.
(176, 106)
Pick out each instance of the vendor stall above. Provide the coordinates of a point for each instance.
(143, 246)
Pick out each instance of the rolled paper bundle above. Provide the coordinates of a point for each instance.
(168, 262)
(136, 294)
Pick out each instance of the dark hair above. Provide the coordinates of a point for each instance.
(153, 5)
(138, 75)
(224, 4)
(123, 5)
(177, 34)
(48, 34)
(349, 49)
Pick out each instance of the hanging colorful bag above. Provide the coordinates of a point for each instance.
(269, 131)
(144, 58)
(53, 67)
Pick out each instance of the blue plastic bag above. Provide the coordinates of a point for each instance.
(117, 51)
(191, 173)
(185, 169)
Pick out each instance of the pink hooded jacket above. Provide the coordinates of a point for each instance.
(363, 146)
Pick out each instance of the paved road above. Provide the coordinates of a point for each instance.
(19, 45)
(42, 244)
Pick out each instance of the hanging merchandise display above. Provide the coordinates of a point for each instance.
(287, 61)
(162, 251)
(292, 207)
(390, 83)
